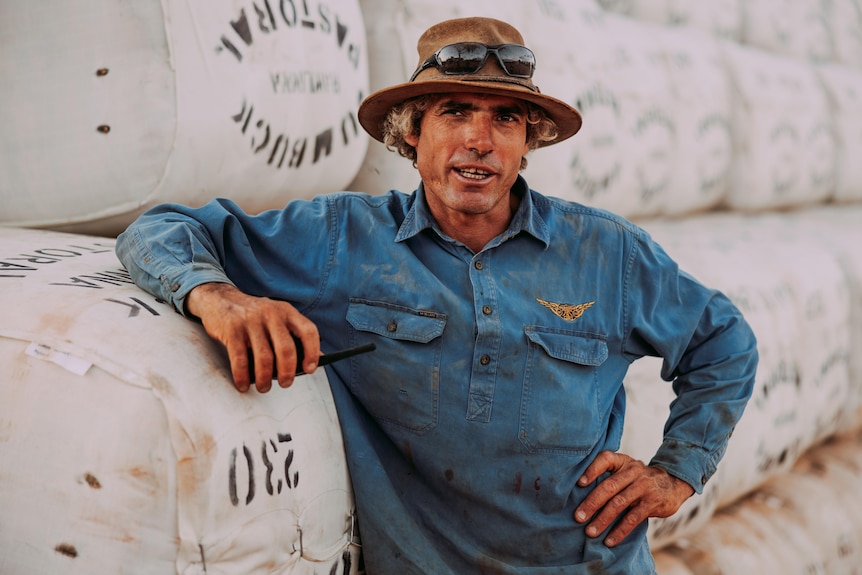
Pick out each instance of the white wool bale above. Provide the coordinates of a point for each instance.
(623, 7)
(702, 108)
(667, 564)
(821, 298)
(784, 144)
(837, 228)
(612, 70)
(796, 28)
(724, 547)
(812, 514)
(110, 108)
(126, 447)
(721, 18)
(846, 28)
(843, 85)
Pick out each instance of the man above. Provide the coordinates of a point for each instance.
(481, 433)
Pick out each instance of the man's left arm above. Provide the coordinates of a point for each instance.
(710, 354)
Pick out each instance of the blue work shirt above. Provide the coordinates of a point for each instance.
(498, 375)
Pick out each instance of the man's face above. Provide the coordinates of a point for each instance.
(468, 153)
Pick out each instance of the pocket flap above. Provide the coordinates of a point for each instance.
(570, 346)
(395, 322)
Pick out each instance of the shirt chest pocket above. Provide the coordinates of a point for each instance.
(399, 383)
(560, 408)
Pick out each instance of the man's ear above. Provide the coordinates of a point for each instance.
(412, 139)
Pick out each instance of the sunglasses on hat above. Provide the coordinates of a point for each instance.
(469, 57)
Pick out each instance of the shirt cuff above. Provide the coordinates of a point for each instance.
(177, 286)
(691, 463)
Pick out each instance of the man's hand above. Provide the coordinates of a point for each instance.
(633, 492)
(257, 332)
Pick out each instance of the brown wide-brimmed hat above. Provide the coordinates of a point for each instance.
(489, 79)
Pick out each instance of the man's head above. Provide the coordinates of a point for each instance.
(472, 55)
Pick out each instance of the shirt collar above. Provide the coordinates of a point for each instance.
(526, 218)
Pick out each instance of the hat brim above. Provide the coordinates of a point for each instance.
(374, 109)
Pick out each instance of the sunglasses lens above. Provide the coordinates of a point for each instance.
(517, 60)
(462, 58)
(469, 57)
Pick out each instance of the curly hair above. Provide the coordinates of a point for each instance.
(405, 118)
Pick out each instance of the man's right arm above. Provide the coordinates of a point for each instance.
(170, 252)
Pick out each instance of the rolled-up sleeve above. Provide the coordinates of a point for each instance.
(168, 252)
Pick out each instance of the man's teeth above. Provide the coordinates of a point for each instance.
(474, 173)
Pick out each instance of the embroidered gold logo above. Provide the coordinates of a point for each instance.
(568, 312)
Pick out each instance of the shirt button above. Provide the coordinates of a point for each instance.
(175, 287)
(485, 359)
(392, 327)
(486, 309)
(478, 265)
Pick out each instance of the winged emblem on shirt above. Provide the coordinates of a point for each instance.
(567, 311)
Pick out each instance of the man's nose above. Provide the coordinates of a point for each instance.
(479, 136)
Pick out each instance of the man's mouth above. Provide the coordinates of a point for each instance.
(473, 173)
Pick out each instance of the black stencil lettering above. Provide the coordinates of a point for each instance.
(231, 479)
(306, 22)
(108, 248)
(298, 153)
(353, 55)
(133, 308)
(325, 24)
(287, 462)
(61, 254)
(239, 117)
(275, 148)
(34, 259)
(323, 143)
(77, 282)
(240, 26)
(18, 268)
(290, 21)
(230, 47)
(262, 16)
(269, 467)
(265, 142)
(348, 120)
(340, 32)
(248, 458)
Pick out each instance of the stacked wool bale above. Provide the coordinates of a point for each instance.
(124, 447)
(108, 109)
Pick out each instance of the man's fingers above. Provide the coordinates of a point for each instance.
(240, 365)
(635, 516)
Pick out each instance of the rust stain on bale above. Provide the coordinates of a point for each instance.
(91, 480)
(67, 550)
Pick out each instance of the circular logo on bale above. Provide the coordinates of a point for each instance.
(596, 164)
(655, 136)
(783, 141)
(304, 73)
(716, 153)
